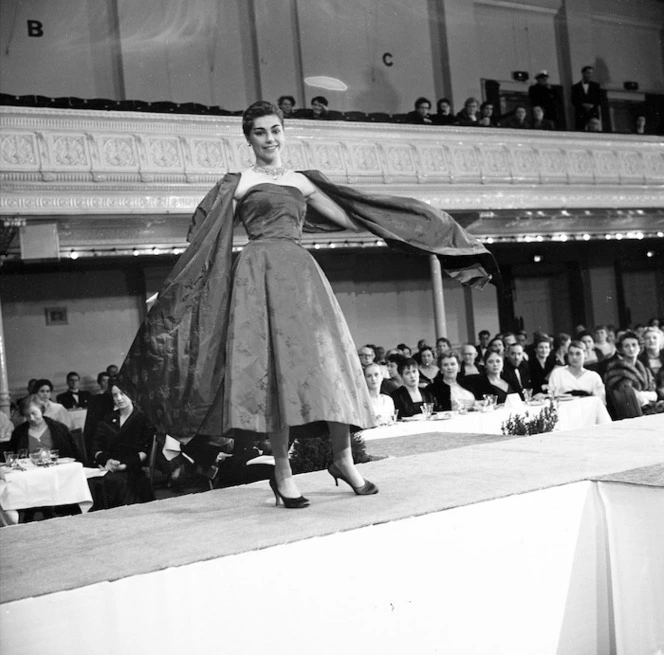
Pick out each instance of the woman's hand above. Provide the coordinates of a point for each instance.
(114, 465)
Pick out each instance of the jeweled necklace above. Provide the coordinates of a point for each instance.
(275, 172)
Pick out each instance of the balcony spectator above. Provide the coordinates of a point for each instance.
(574, 378)
(486, 118)
(421, 115)
(469, 115)
(320, 110)
(287, 105)
(519, 121)
(543, 95)
(444, 114)
(593, 125)
(448, 387)
(586, 99)
(639, 126)
(74, 397)
(539, 121)
(408, 400)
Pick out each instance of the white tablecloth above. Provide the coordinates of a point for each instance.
(572, 414)
(63, 484)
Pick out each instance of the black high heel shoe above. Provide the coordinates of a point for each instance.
(367, 489)
(289, 503)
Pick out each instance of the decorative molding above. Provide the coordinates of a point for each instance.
(67, 163)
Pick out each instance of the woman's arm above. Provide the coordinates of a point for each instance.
(325, 205)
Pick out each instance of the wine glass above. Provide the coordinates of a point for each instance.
(10, 458)
(427, 410)
(527, 395)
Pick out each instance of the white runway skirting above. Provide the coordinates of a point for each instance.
(566, 570)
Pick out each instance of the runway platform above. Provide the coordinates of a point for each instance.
(475, 544)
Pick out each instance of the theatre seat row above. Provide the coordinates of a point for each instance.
(101, 104)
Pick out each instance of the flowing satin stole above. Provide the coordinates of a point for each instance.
(175, 367)
(411, 226)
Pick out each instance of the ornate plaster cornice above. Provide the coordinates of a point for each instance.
(66, 163)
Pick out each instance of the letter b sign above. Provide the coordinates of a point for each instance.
(35, 28)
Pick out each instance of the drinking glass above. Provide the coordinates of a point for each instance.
(54, 456)
(395, 417)
(10, 458)
(463, 407)
(527, 395)
(35, 457)
(427, 410)
(22, 453)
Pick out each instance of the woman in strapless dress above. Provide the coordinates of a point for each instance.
(261, 346)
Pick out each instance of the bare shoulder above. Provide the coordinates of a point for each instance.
(303, 183)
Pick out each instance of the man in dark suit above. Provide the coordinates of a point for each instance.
(515, 371)
(586, 99)
(542, 94)
(74, 397)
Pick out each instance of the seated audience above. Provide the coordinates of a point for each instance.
(652, 356)
(483, 338)
(541, 364)
(516, 371)
(519, 120)
(630, 386)
(543, 95)
(522, 338)
(421, 114)
(508, 338)
(408, 399)
(592, 354)
(574, 378)
(381, 404)
(394, 381)
(56, 411)
(102, 381)
(539, 122)
(486, 118)
(6, 428)
(469, 115)
(367, 355)
(443, 344)
(594, 124)
(447, 387)
(560, 344)
(320, 111)
(470, 361)
(603, 347)
(427, 367)
(497, 344)
(121, 445)
(491, 382)
(444, 114)
(287, 105)
(74, 397)
(41, 431)
(112, 370)
(405, 350)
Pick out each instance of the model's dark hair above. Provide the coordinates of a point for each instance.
(258, 110)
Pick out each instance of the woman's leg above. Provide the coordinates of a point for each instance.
(342, 454)
(282, 470)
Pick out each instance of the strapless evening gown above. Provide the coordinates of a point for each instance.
(290, 358)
